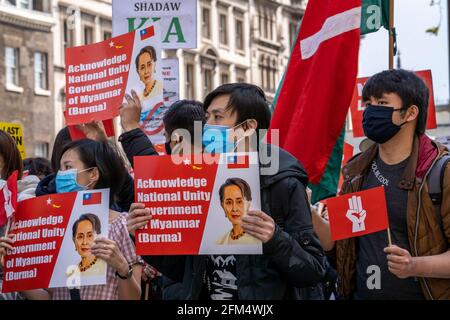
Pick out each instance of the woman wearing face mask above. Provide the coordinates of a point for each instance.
(95, 132)
(86, 165)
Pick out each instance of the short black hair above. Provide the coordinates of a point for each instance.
(37, 166)
(148, 49)
(112, 171)
(248, 100)
(240, 183)
(182, 115)
(92, 218)
(407, 85)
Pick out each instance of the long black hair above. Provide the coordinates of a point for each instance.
(111, 168)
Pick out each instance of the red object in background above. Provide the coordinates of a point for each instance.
(77, 134)
(357, 214)
(357, 105)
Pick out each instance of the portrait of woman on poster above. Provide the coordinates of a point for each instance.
(84, 231)
(235, 199)
(146, 69)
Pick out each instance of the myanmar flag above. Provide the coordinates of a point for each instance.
(312, 103)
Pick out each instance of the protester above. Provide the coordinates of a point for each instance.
(182, 114)
(416, 266)
(292, 255)
(94, 131)
(85, 165)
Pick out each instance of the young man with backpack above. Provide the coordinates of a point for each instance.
(412, 168)
(292, 255)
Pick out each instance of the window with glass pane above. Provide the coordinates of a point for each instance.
(224, 78)
(68, 35)
(88, 35)
(12, 65)
(239, 35)
(38, 5)
(189, 81)
(41, 149)
(206, 25)
(207, 81)
(223, 29)
(106, 35)
(40, 70)
(24, 4)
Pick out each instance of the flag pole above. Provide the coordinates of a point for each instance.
(389, 236)
(391, 34)
(8, 225)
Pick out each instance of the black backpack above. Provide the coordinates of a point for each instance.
(435, 181)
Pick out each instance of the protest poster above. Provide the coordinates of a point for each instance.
(357, 106)
(98, 76)
(170, 72)
(356, 214)
(53, 235)
(178, 20)
(197, 208)
(15, 131)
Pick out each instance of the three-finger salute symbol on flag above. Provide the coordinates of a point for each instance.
(356, 214)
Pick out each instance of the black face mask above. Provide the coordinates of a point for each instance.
(378, 125)
(168, 148)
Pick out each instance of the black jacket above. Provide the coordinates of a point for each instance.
(136, 143)
(292, 258)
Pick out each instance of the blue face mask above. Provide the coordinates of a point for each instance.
(378, 125)
(215, 138)
(66, 181)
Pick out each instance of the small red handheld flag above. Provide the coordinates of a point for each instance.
(357, 214)
(8, 197)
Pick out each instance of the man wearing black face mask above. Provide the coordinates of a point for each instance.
(417, 265)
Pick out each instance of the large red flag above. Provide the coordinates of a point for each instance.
(357, 214)
(8, 197)
(313, 102)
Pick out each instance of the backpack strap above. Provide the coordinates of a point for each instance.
(435, 181)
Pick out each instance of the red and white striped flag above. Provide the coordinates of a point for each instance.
(318, 85)
(8, 197)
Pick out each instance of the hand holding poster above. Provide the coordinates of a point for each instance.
(357, 214)
(52, 237)
(197, 208)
